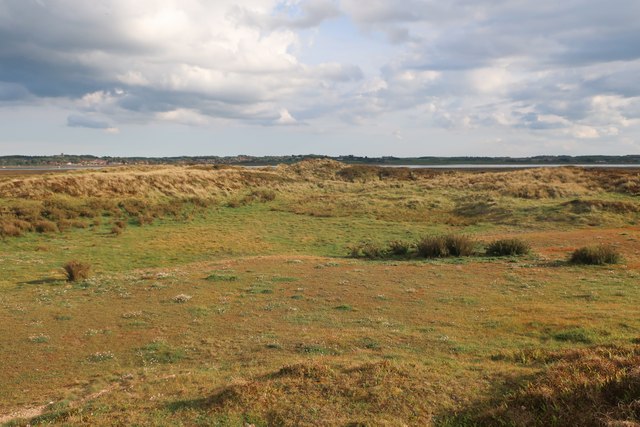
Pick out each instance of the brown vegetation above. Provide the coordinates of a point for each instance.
(77, 270)
(304, 394)
(587, 387)
(595, 255)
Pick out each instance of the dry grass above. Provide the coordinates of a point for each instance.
(588, 387)
(508, 247)
(305, 393)
(595, 255)
(76, 270)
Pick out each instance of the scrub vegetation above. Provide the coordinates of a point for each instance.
(320, 293)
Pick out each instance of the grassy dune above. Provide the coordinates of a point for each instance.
(227, 296)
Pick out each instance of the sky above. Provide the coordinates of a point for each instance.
(363, 77)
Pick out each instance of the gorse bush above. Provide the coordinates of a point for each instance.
(595, 255)
(77, 270)
(508, 247)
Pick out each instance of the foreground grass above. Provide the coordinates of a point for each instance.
(254, 314)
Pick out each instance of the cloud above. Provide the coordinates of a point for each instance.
(290, 15)
(12, 92)
(80, 121)
(537, 69)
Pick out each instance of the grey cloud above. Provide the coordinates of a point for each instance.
(308, 14)
(76, 120)
(12, 92)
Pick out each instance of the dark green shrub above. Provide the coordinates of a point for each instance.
(595, 255)
(508, 247)
(77, 270)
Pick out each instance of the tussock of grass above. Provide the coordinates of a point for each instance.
(595, 255)
(45, 226)
(444, 246)
(77, 270)
(399, 247)
(508, 247)
(367, 250)
(589, 387)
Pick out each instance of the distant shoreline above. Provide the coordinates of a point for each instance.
(461, 166)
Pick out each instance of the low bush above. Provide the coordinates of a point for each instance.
(45, 226)
(595, 255)
(444, 246)
(398, 247)
(367, 250)
(432, 247)
(9, 229)
(77, 270)
(508, 247)
(460, 245)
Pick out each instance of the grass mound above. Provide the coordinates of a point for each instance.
(588, 387)
(508, 247)
(303, 394)
(595, 255)
(76, 270)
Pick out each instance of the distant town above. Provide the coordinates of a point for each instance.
(72, 160)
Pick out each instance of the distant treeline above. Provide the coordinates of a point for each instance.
(69, 159)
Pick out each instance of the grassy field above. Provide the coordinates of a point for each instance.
(228, 297)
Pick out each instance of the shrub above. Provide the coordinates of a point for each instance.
(45, 226)
(9, 229)
(508, 247)
(432, 247)
(77, 270)
(444, 246)
(398, 247)
(366, 250)
(459, 245)
(595, 255)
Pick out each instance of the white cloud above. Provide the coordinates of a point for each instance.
(536, 70)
